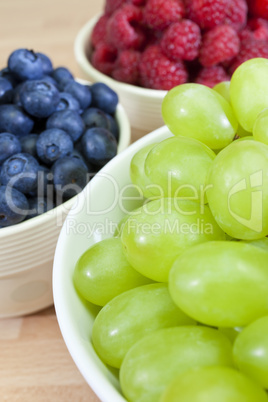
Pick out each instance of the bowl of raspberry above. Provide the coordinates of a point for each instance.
(143, 48)
(56, 132)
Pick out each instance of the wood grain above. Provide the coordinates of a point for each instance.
(35, 365)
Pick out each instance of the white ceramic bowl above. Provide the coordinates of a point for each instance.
(143, 106)
(27, 251)
(97, 211)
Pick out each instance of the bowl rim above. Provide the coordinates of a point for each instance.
(123, 143)
(99, 384)
(86, 66)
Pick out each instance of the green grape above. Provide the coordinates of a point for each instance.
(137, 174)
(262, 243)
(161, 230)
(132, 315)
(249, 91)
(260, 128)
(241, 132)
(251, 351)
(223, 88)
(103, 272)
(213, 384)
(178, 166)
(231, 333)
(238, 189)
(154, 361)
(246, 138)
(199, 112)
(120, 225)
(223, 284)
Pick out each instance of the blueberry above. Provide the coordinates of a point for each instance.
(16, 94)
(53, 144)
(69, 121)
(44, 183)
(13, 206)
(39, 98)
(50, 80)
(94, 117)
(46, 63)
(20, 171)
(14, 120)
(62, 75)
(9, 145)
(80, 92)
(38, 206)
(68, 102)
(5, 73)
(6, 91)
(104, 97)
(113, 126)
(98, 145)
(78, 155)
(25, 64)
(70, 177)
(28, 144)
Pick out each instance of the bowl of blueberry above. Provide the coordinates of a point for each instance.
(142, 48)
(55, 134)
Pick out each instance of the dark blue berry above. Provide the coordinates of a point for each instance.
(6, 91)
(14, 120)
(69, 121)
(113, 126)
(70, 177)
(13, 206)
(80, 92)
(68, 102)
(98, 146)
(94, 117)
(62, 75)
(25, 64)
(5, 73)
(104, 97)
(38, 206)
(39, 98)
(50, 80)
(20, 171)
(28, 144)
(46, 63)
(9, 145)
(53, 144)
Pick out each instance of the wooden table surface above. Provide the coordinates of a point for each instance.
(35, 365)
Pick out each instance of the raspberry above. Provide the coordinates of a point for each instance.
(181, 40)
(159, 14)
(220, 44)
(210, 76)
(259, 28)
(103, 58)
(158, 72)
(258, 8)
(245, 34)
(127, 67)
(207, 13)
(112, 5)
(99, 31)
(236, 14)
(249, 50)
(123, 29)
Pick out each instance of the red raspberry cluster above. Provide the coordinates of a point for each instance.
(163, 43)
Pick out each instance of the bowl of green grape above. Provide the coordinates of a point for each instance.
(160, 275)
